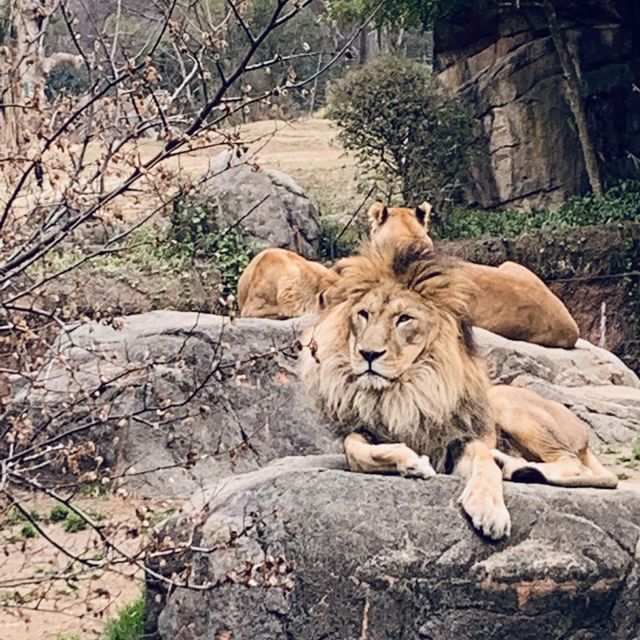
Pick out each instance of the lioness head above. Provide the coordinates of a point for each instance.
(393, 350)
(391, 225)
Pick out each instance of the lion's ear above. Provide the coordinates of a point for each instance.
(378, 213)
(423, 214)
(330, 297)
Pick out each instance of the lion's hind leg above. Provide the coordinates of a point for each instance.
(547, 443)
(566, 471)
(385, 458)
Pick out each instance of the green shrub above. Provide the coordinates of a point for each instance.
(337, 241)
(196, 233)
(620, 202)
(129, 623)
(412, 138)
(28, 531)
(74, 523)
(68, 78)
(13, 516)
(58, 513)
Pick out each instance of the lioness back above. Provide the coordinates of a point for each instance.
(513, 302)
(279, 283)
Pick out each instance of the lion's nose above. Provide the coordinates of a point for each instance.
(370, 356)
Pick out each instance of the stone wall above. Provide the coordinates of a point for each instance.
(504, 62)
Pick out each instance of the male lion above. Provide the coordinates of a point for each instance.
(281, 284)
(511, 300)
(392, 361)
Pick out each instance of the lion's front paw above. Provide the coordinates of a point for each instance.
(487, 512)
(419, 467)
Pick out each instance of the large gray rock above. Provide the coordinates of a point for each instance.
(281, 214)
(181, 399)
(180, 388)
(304, 550)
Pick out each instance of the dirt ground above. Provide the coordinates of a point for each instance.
(307, 150)
(43, 596)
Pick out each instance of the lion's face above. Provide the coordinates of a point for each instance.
(388, 333)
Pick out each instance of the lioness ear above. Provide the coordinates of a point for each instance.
(423, 214)
(378, 213)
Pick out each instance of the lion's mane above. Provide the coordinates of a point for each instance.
(440, 401)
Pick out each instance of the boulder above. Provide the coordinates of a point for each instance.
(268, 205)
(500, 56)
(303, 549)
(187, 397)
(181, 399)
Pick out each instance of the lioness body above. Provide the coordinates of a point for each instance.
(392, 362)
(511, 300)
(281, 284)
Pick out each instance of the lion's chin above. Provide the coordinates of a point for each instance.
(373, 381)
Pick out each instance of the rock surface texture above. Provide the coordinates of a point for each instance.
(304, 550)
(504, 62)
(172, 388)
(266, 204)
(184, 388)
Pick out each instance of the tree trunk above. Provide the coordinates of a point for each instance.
(25, 67)
(573, 90)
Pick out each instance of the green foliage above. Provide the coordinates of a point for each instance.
(412, 138)
(196, 232)
(335, 241)
(409, 13)
(58, 513)
(621, 202)
(28, 531)
(66, 636)
(129, 623)
(74, 523)
(65, 77)
(13, 516)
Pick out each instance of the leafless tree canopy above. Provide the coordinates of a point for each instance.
(98, 104)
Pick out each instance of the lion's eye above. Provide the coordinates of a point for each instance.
(402, 319)
(363, 314)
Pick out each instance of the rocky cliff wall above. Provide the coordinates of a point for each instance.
(504, 63)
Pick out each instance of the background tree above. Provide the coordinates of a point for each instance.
(413, 139)
(80, 183)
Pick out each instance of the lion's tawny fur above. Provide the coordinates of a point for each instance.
(279, 283)
(511, 300)
(437, 398)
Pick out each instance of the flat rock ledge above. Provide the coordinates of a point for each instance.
(303, 549)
